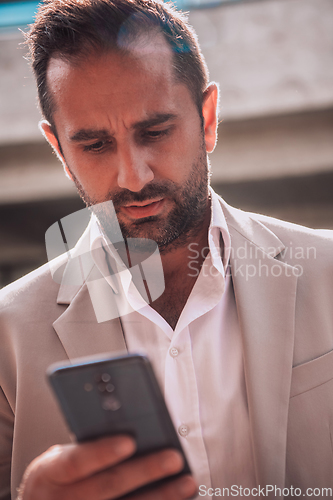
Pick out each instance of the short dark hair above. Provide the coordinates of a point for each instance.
(70, 28)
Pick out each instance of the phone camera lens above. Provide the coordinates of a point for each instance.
(111, 403)
(106, 377)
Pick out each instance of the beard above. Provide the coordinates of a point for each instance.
(171, 231)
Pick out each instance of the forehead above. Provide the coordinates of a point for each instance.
(137, 80)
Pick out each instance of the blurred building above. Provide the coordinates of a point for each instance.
(274, 62)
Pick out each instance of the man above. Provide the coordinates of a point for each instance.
(128, 109)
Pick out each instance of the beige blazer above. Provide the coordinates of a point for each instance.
(283, 283)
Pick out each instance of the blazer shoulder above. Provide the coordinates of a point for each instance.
(319, 241)
(309, 250)
(31, 292)
(241, 220)
(294, 244)
(288, 228)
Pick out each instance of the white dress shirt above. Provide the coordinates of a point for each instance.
(199, 364)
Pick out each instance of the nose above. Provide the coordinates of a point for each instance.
(133, 168)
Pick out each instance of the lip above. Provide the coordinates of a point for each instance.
(139, 210)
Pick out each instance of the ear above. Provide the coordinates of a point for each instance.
(49, 135)
(210, 114)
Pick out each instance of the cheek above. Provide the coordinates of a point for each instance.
(84, 165)
(186, 148)
(94, 180)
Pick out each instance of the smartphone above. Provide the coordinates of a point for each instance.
(112, 396)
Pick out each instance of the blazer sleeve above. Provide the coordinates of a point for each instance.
(6, 439)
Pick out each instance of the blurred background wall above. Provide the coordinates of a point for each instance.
(273, 60)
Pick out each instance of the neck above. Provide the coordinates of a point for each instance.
(177, 258)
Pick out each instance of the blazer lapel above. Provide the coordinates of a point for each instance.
(265, 292)
(77, 328)
(81, 334)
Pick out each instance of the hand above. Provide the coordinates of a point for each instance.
(97, 471)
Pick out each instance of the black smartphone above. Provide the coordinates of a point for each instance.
(112, 396)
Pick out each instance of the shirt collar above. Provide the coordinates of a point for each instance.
(218, 235)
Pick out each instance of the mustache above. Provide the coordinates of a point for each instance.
(150, 191)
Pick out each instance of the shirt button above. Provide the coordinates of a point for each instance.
(183, 430)
(174, 352)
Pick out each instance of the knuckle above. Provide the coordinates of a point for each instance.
(55, 449)
(62, 464)
(67, 468)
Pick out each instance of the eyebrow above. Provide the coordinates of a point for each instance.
(89, 135)
(157, 119)
(93, 134)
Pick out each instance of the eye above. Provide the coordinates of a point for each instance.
(96, 147)
(154, 134)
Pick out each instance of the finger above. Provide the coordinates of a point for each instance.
(127, 476)
(70, 463)
(178, 489)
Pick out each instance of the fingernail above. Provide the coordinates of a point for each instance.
(187, 487)
(172, 461)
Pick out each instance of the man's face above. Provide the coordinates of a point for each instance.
(131, 134)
